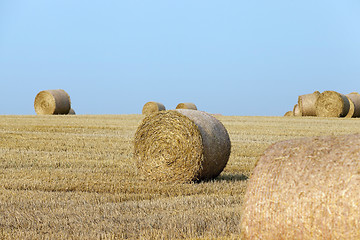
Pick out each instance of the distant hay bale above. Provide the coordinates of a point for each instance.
(307, 102)
(72, 112)
(355, 98)
(296, 111)
(351, 108)
(151, 107)
(186, 105)
(332, 104)
(289, 114)
(181, 146)
(305, 189)
(52, 102)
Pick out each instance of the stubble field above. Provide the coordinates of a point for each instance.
(74, 177)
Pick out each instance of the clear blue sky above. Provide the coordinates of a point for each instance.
(233, 57)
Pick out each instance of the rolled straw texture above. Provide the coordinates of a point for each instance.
(72, 112)
(355, 98)
(351, 108)
(332, 104)
(307, 102)
(52, 102)
(181, 146)
(186, 106)
(296, 111)
(305, 189)
(152, 107)
(289, 114)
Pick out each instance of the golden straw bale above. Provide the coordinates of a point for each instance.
(72, 112)
(307, 102)
(305, 189)
(152, 107)
(332, 104)
(181, 145)
(351, 108)
(296, 111)
(186, 105)
(289, 114)
(355, 98)
(52, 102)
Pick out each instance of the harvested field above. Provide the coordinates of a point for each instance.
(64, 177)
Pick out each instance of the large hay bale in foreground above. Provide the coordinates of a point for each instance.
(186, 105)
(307, 102)
(332, 104)
(52, 102)
(181, 146)
(152, 107)
(355, 98)
(296, 111)
(305, 189)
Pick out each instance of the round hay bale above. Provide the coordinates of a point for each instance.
(305, 189)
(351, 108)
(181, 146)
(72, 112)
(152, 107)
(307, 102)
(289, 114)
(296, 111)
(186, 105)
(355, 98)
(332, 104)
(52, 102)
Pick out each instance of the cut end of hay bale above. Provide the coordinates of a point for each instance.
(332, 104)
(181, 146)
(351, 108)
(355, 98)
(307, 102)
(296, 111)
(50, 102)
(186, 105)
(152, 107)
(305, 189)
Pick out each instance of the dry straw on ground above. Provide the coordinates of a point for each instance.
(52, 102)
(152, 107)
(355, 98)
(186, 105)
(307, 102)
(181, 146)
(296, 111)
(332, 104)
(289, 114)
(305, 189)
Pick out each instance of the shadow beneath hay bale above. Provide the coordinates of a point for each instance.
(231, 177)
